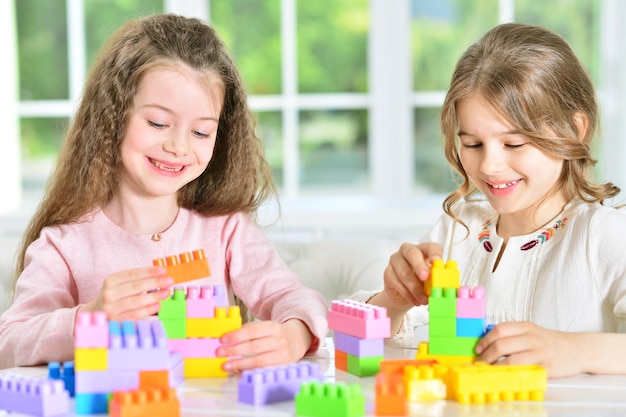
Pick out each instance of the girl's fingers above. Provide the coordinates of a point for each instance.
(257, 361)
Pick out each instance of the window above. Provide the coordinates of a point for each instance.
(347, 92)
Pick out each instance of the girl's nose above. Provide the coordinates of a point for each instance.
(493, 161)
(177, 143)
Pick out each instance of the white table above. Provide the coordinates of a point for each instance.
(585, 395)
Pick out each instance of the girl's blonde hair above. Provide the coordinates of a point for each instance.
(87, 172)
(532, 78)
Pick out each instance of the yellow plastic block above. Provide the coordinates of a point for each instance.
(480, 383)
(422, 384)
(443, 275)
(91, 359)
(450, 360)
(204, 367)
(223, 322)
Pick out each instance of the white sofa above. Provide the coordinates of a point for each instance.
(335, 268)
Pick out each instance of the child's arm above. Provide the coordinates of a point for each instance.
(561, 353)
(265, 343)
(404, 279)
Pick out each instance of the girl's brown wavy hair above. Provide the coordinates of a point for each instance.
(533, 79)
(238, 179)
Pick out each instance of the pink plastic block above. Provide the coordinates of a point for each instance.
(269, 385)
(195, 348)
(470, 303)
(95, 382)
(200, 302)
(138, 346)
(36, 396)
(91, 330)
(357, 319)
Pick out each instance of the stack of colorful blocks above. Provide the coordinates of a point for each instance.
(359, 333)
(111, 356)
(457, 316)
(194, 319)
(42, 397)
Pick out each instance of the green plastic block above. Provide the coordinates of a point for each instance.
(455, 346)
(442, 326)
(175, 307)
(364, 366)
(442, 302)
(175, 329)
(327, 399)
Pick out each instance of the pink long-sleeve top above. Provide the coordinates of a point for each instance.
(66, 266)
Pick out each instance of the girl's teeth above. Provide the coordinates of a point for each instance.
(501, 186)
(166, 168)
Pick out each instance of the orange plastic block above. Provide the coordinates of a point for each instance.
(341, 360)
(154, 379)
(153, 402)
(224, 321)
(422, 354)
(481, 382)
(390, 396)
(443, 275)
(186, 266)
(422, 383)
(396, 366)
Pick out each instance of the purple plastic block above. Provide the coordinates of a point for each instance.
(138, 346)
(359, 347)
(91, 330)
(219, 296)
(195, 347)
(281, 383)
(200, 302)
(358, 319)
(470, 303)
(37, 396)
(94, 382)
(176, 369)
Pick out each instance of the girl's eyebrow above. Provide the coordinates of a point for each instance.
(508, 132)
(168, 110)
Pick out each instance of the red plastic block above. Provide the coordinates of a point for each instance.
(358, 319)
(390, 399)
(153, 402)
(274, 384)
(36, 396)
(186, 266)
(91, 330)
(470, 303)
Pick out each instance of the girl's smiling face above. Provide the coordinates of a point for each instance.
(171, 131)
(514, 175)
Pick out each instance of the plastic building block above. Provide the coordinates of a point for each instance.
(269, 385)
(323, 399)
(470, 302)
(154, 379)
(341, 360)
(204, 367)
(457, 346)
(91, 330)
(443, 276)
(223, 322)
(422, 384)
(92, 403)
(65, 372)
(481, 382)
(200, 302)
(442, 326)
(364, 366)
(396, 366)
(185, 267)
(195, 348)
(442, 302)
(86, 359)
(359, 347)
(390, 397)
(470, 327)
(424, 354)
(37, 396)
(174, 307)
(176, 368)
(91, 382)
(357, 319)
(153, 402)
(140, 345)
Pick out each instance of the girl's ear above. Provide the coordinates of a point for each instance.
(582, 123)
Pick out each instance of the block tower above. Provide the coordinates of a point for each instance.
(360, 330)
(457, 316)
(110, 356)
(194, 319)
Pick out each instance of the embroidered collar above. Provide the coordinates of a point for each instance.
(543, 237)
